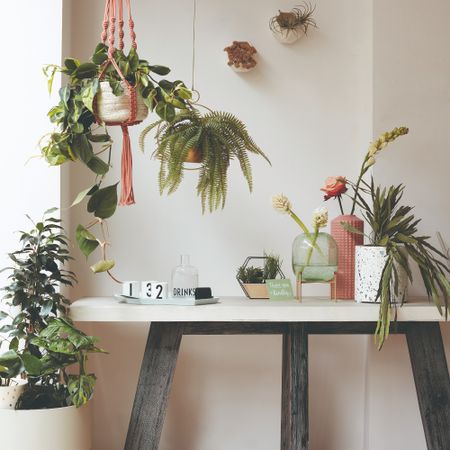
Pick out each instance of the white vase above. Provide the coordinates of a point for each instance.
(369, 265)
(10, 394)
(288, 36)
(116, 109)
(66, 428)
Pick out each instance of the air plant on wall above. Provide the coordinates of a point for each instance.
(288, 27)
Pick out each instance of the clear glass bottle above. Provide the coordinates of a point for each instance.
(184, 279)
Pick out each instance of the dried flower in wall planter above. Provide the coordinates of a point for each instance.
(241, 56)
(289, 27)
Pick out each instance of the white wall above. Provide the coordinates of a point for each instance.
(310, 108)
(30, 41)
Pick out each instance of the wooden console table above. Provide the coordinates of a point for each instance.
(295, 321)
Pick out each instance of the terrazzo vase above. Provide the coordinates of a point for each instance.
(346, 243)
(370, 262)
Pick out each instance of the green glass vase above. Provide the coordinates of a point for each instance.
(314, 258)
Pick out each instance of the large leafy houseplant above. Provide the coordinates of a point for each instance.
(43, 342)
(217, 138)
(79, 137)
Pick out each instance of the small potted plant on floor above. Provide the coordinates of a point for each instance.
(214, 139)
(252, 279)
(45, 347)
(288, 27)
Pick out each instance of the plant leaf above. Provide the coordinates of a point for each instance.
(103, 266)
(86, 241)
(103, 203)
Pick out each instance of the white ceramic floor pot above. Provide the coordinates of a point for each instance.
(66, 428)
(369, 264)
(110, 108)
(10, 394)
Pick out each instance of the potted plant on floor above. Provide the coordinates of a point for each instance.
(252, 279)
(45, 347)
(215, 139)
(288, 27)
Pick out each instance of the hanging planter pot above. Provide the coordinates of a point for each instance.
(289, 26)
(113, 109)
(369, 265)
(194, 156)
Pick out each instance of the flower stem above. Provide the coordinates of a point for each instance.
(300, 223)
(340, 204)
(313, 245)
(358, 182)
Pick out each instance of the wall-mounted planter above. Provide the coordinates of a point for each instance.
(289, 26)
(241, 56)
(288, 36)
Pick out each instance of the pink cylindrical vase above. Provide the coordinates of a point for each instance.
(346, 242)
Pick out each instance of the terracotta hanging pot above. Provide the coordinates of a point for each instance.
(194, 156)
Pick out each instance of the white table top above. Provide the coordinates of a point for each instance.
(241, 309)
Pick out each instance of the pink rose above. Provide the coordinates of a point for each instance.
(334, 187)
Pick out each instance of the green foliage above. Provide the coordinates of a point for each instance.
(220, 137)
(394, 226)
(78, 137)
(258, 275)
(251, 274)
(43, 342)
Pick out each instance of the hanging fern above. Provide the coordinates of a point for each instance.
(220, 137)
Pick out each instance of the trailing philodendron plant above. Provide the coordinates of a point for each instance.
(395, 227)
(81, 137)
(42, 341)
(217, 138)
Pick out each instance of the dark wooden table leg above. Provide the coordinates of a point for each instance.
(294, 390)
(432, 382)
(155, 380)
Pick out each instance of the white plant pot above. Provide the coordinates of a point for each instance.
(66, 428)
(10, 394)
(369, 264)
(112, 108)
(287, 36)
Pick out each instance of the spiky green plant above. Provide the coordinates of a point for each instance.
(396, 228)
(220, 137)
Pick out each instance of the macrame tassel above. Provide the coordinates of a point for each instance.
(126, 195)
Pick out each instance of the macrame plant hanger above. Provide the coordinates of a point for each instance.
(109, 24)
